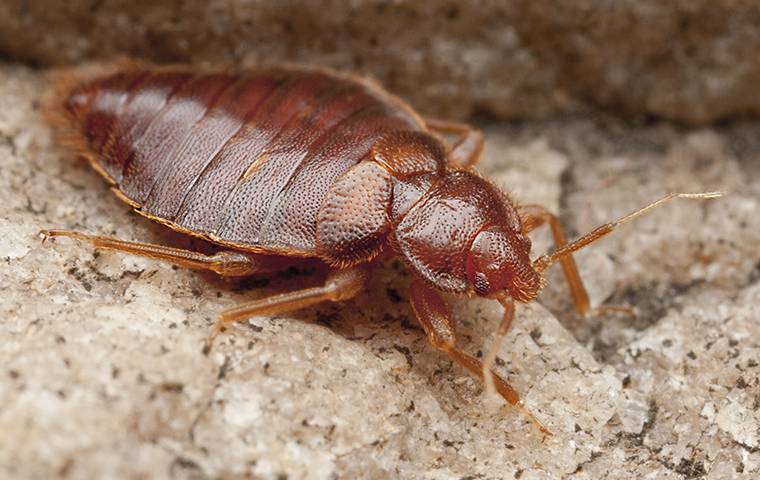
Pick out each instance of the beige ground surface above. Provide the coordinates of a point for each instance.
(103, 375)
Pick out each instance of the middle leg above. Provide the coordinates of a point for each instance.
(340, 285)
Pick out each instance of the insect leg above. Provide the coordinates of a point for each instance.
(340, 285)
(226, 263)
(435, 318)
(532, 217)
(466, 151)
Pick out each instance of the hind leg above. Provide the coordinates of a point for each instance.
(226, 263)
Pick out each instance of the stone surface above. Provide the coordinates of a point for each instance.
(692, 61)
(103, 374)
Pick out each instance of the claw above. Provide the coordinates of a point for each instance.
(540, 426)
(45, 235)
(218, 328)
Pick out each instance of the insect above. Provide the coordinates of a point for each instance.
(277, 165)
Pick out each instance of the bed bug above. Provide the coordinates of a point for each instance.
(277, 165)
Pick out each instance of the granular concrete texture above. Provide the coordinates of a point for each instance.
(693, 61)
(103, 374)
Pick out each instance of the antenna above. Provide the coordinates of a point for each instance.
(544, 261)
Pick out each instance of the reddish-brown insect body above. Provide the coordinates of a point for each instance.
(276, 164)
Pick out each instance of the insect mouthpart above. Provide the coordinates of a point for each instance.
(526, 289)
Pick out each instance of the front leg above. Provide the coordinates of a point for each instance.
(434, 316)
(532, 217)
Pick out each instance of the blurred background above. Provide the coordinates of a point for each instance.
(690, 61)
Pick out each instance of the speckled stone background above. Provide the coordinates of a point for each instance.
(692, 61)
(101, 368)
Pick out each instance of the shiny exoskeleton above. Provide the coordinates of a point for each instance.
(281, 163)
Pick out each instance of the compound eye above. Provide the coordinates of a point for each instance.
(489, 254)
(500, 261)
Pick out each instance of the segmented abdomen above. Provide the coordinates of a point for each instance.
(243, 158)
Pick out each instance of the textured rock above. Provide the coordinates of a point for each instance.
(693, 61)
(103, 374)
